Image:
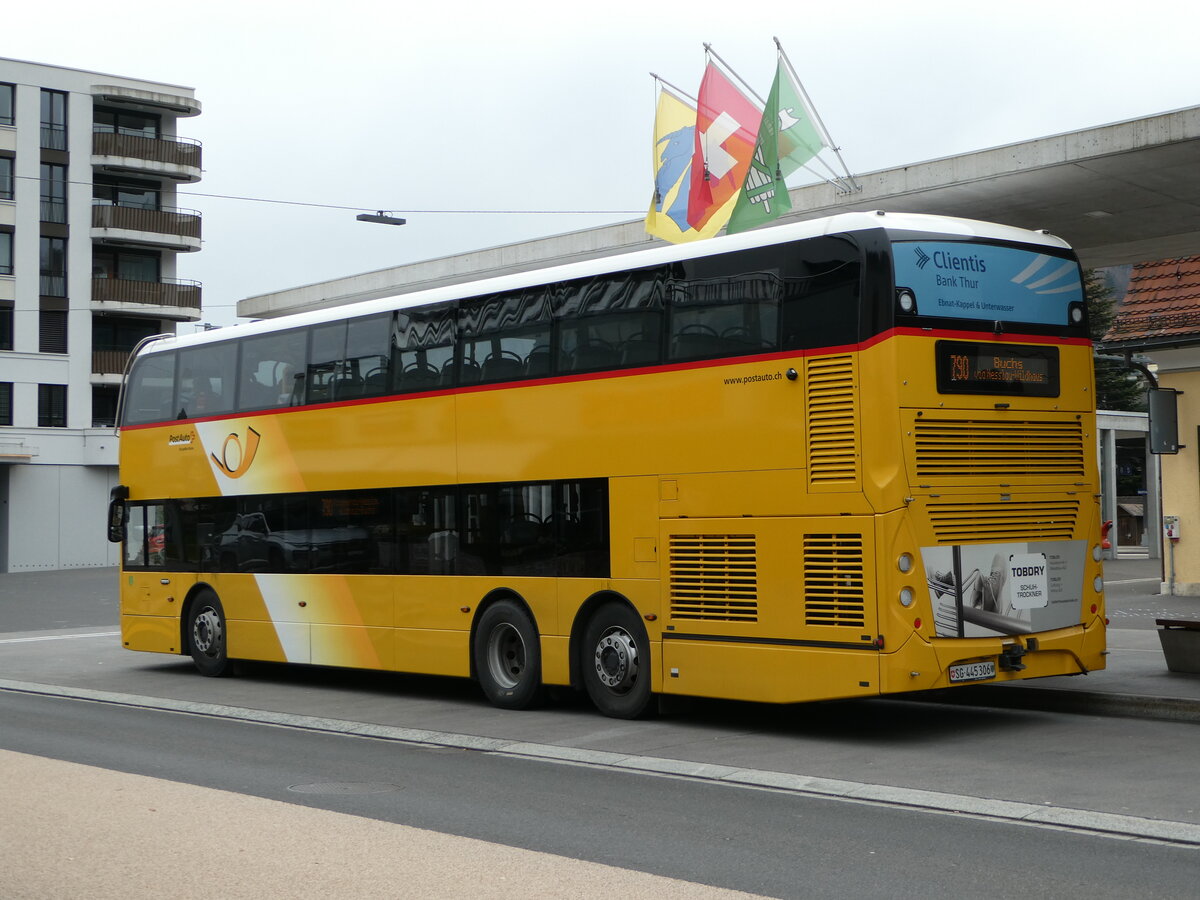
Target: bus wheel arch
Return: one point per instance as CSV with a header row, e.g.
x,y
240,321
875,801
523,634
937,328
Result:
x,y
204,632
610,656
506,653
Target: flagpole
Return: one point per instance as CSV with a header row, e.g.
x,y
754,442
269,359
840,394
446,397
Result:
x,y
836,181
681,93
816,116
708,49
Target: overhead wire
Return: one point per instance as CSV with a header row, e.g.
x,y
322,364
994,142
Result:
x,y
309,203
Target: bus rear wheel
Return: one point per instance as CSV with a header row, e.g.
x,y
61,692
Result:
x,y
508,656
206,635
615,662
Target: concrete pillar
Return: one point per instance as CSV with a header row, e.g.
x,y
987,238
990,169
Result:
x,y
1108,485
1153,520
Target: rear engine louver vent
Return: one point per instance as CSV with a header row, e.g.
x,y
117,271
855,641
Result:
x,y
1004,450
1017,520
834,592
714,577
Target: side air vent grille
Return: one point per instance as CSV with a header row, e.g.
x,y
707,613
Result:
x,y
834,591
714,577
832,427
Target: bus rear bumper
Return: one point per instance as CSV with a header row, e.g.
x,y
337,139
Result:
x,y
925,664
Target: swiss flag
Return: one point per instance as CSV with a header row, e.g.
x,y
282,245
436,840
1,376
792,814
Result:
x,y
726,131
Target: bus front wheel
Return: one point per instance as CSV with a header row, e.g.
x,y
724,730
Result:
x,y
206,635
508,656
616,662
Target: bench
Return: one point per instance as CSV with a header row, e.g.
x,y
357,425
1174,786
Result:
x,y
1180,639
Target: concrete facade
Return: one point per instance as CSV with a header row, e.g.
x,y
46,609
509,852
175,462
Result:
x,y
89,212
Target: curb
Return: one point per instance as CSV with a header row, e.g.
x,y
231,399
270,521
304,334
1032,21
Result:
x,y
1091,703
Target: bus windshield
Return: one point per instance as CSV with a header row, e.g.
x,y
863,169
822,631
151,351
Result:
x,y
961,280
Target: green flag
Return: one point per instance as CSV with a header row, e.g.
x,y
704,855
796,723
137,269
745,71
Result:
x,y
787,139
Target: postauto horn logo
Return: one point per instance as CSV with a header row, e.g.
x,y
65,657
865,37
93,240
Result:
x,y
235,459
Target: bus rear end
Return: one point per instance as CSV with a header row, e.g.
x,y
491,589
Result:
x,y
988,534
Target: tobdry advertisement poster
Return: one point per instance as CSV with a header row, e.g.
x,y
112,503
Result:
x,y
980,590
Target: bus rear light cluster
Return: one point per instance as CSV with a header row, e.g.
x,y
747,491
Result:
x,y
1098,584
905,563
907,597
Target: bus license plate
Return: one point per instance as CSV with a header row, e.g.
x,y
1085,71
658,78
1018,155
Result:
x,y
976,671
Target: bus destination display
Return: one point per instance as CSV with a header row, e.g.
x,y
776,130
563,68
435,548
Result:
x,y
968,368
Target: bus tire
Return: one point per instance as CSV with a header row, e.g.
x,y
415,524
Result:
x,y
615,662
508,656
207,637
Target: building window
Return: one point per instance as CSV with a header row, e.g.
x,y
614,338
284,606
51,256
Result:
x,y
6,267
104,405
119,121
6,177
128,265
5,402
7,92
52,406
121,333
52,331
6,328
54,120
53,266
126,192
54,193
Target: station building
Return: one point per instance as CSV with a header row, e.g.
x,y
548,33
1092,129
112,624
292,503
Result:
x,y
89,237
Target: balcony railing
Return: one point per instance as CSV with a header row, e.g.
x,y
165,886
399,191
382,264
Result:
x,y
109,362
167,220
171,150
175,292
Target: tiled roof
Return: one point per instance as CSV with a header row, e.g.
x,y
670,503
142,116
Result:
x,y
1163,303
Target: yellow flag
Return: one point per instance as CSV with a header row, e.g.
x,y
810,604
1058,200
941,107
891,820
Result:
x,y
674,143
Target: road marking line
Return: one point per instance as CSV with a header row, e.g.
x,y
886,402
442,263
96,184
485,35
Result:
x,y
1015,812
1108,583
58,637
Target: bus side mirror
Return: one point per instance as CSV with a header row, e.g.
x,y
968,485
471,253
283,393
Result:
x,y
1163,404
116,513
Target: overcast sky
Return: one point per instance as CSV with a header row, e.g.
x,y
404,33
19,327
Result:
x,y
465,116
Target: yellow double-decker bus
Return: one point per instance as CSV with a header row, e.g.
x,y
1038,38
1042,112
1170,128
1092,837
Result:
x,y
839,458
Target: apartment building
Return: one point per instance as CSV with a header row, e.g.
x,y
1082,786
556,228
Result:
x,y
90,232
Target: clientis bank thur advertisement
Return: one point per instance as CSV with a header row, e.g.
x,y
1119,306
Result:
x,y
980,281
